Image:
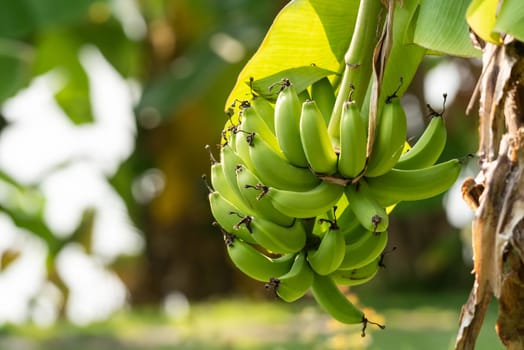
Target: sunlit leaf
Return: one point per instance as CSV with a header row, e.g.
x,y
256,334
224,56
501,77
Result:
x,y
510,18
441,27
305,32
481,17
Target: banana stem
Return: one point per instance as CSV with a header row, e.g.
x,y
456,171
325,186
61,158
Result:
x,y
358,62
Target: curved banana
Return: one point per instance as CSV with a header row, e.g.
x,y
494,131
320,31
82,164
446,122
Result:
x,y
324,95
367,210
287,124
265,110
412,185
252,191
428,148
274,170
353,141
363,251
329,254
294,284
243,141
273,237
334,302
389,138
254,263
252,123
358,276
306,204
220,184
230,161
227,215
349,225
315,140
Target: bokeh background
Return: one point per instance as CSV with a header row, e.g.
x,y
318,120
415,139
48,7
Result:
x,y
105,230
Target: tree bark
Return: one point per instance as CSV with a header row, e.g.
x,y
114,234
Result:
x,y
497,197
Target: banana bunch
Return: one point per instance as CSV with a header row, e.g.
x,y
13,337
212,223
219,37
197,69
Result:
x,y
301,214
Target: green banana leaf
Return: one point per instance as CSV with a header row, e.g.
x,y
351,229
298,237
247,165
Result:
x,y
441,27
510,18
301,77
304,33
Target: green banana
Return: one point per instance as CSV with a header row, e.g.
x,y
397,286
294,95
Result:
x,y
389,138
357,276
228,216
265,110
274,170
412,185
220,184
273,237
334,302
242,141
349,225
315,140
230,161
428,148
287,124
353,139
329,254
252,191
324,95
367,210
363,251
294,284
306,204
253,262
252,123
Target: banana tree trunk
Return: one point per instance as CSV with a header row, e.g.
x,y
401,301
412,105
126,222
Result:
x,y
497,197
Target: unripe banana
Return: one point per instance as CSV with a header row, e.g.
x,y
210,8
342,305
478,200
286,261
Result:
x,y
287,121
220,184
353,140
367,211
306,204
242,141
389,138
274,170
412,185
324,95
294,284
349,225
252,123
358,276
228,216
254,263
334,302
230,161
265,110
252,191
363,251
428,148
273,237
329,254
315,140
